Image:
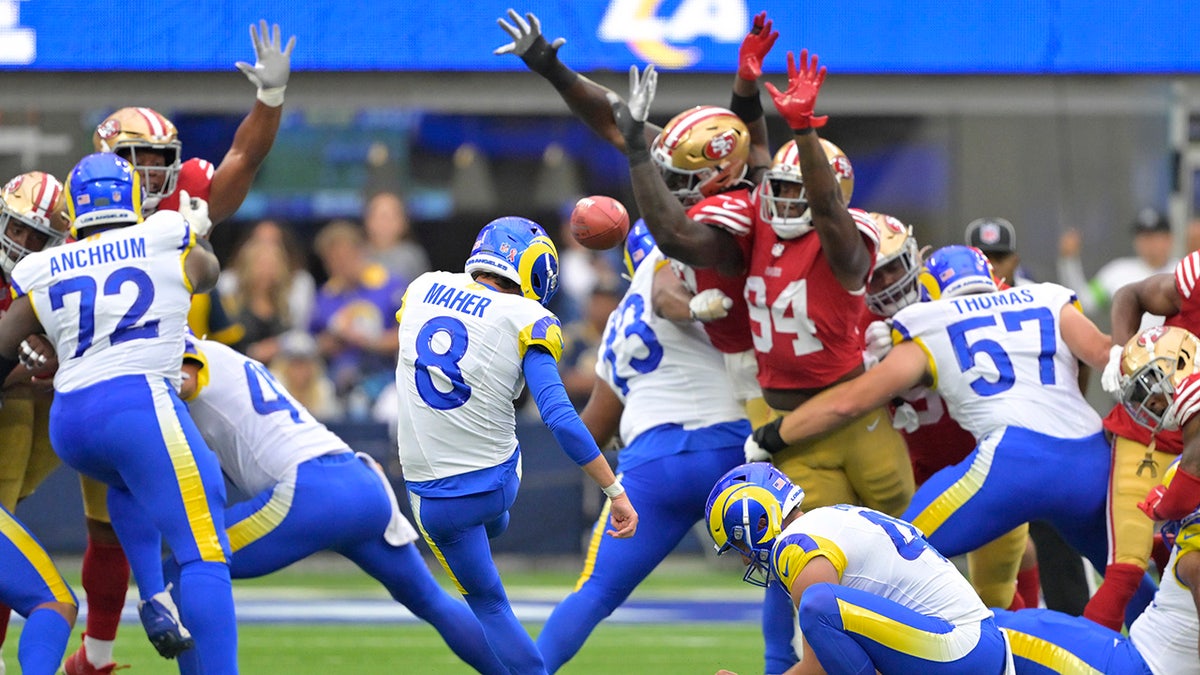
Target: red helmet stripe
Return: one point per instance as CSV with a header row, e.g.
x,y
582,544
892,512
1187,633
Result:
x,y
157,122
690,120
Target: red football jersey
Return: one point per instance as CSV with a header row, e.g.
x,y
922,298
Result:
x,y
734,212
1187,278
805,326
195,178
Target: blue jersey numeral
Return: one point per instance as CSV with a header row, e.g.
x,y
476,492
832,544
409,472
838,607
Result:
x,y
127,328
967,351
256,376
629,323
907,539
446,362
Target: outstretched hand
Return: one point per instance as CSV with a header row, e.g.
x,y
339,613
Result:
x,y
641,91
528,41
272,61
796,105
755,46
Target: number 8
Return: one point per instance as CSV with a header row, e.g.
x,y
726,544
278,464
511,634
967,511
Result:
x,y
446,362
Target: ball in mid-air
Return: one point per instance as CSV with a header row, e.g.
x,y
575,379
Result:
x,y
599,222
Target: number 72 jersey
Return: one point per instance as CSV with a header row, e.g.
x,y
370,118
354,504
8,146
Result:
x,y
999,360
115,303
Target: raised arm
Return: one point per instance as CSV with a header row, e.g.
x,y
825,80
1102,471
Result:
x,y
587,100
256,134
1155,294
745,101
841,242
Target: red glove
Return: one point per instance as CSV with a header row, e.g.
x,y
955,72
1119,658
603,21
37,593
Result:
x,y
754,48
1175,502
797,103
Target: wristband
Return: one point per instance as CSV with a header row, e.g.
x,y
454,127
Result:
x,y
614,490
272,97
747,108
803,132
768,437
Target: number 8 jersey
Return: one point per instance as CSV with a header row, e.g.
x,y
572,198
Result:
x,y
998,359
460,367
115,303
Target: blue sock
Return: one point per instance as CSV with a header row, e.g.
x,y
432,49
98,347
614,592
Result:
x,y
43,642
206,607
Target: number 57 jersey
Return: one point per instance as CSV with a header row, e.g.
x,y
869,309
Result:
x,y
461,351
115,303
998,359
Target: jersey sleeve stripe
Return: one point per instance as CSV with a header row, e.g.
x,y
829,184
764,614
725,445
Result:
x,y
733,225
1187,400
1185,274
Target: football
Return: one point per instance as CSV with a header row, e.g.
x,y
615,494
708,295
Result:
x,y
599,222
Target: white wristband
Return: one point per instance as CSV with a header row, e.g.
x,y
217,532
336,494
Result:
x,y
614,490
272,97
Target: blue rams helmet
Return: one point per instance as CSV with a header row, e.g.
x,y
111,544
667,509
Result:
x,y
103,189
956,270
519,250
745,512
638,244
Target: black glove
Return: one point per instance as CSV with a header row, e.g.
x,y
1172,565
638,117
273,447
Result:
x,y
768,438
632,130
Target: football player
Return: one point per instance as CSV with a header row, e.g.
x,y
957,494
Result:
x,y
664,387
1163,640
1006,364
469,343
31,584
114,305
150,142
934,439
1140,449
709,160
299,473
872,594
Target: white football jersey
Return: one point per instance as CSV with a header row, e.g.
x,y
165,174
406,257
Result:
x,y
259,432
878,554
999,360
1166,633
664,372
461,348
115,303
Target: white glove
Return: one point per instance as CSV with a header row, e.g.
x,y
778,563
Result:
x,y
641,91
878,340
753,452
905,418
524,34
272,67
30,357
710,305
195,212
1110,379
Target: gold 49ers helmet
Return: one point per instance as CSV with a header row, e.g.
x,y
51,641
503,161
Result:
x,y
1153,365
782,199
702,152
143,136
894,280
32,217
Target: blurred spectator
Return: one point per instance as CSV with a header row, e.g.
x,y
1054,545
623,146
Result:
x,y
301,289
1152,243
385,218
582,340
299,368
354,317
260,301
997,238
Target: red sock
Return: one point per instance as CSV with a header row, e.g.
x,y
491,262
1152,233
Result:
x,y
1017,602
1029,582
1107,606
5,613
105,580
1160,553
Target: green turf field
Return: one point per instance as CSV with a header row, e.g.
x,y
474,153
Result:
x,y
301,649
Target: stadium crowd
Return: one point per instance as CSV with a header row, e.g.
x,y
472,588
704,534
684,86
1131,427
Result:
x,y
840,406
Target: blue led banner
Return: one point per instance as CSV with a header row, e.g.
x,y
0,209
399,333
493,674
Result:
x,y
851,36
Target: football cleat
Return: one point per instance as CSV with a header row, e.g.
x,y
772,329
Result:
x,y
519,250
782,199
163,626
702,152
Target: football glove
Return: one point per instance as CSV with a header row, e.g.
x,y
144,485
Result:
x,y
272,65
754,48
1110,379
710,305
796,105
195,211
